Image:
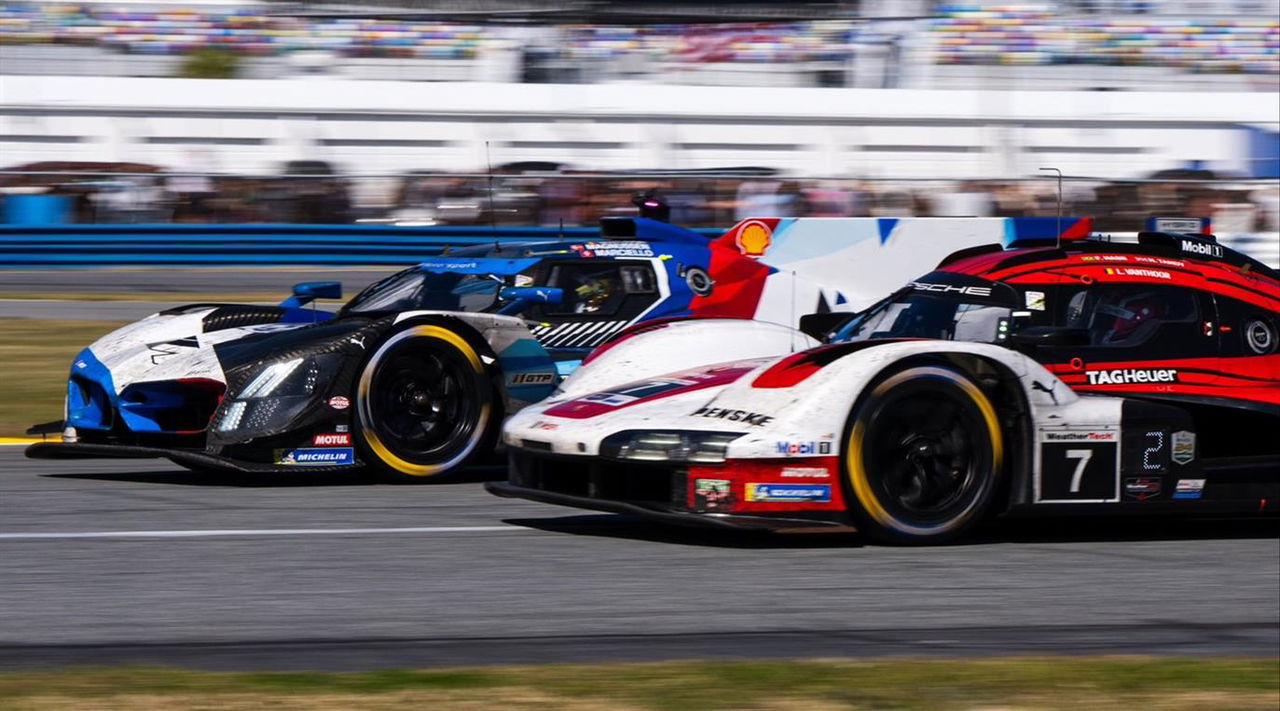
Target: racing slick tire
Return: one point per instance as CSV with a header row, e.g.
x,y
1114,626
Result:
x,y
425,405
922,457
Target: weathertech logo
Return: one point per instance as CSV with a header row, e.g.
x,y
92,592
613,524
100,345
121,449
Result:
x,y
1097,436
1127,376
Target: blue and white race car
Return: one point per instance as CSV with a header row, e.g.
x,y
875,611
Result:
x,y
411,378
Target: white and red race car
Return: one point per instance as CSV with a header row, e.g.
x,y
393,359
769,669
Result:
x,y
1075,376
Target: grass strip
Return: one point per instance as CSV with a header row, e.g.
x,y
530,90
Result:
x,y
1121,683
35,358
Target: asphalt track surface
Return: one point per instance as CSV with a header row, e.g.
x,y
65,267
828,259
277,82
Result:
x,y
139,562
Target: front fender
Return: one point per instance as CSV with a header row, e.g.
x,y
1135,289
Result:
x,y
815,408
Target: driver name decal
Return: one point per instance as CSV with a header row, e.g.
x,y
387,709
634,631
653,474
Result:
x,y
1127,376
614,249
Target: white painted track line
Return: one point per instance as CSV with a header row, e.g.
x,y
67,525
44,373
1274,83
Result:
x,y
218,533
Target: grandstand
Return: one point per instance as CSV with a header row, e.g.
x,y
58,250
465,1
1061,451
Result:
x,y
1151,45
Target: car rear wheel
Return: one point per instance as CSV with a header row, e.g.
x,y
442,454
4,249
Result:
x,y
923,456
424,405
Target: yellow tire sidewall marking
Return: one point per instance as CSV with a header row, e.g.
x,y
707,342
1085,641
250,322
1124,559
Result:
x,y
858,476
366,379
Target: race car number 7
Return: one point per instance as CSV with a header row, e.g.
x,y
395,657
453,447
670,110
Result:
x,y
1083,455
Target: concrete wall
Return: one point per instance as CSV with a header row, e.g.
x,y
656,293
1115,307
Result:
x,y
253,126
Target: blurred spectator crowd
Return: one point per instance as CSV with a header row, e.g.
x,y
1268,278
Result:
x,y
957,33
1033,33
310,192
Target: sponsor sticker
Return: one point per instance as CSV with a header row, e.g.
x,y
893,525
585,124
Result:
x,y
952,289
754,238
1184,447
788,448
544,425
1078,436
788,492
336,439
1188,489
1141,488
1203,249
1035,300
806,473
531,378
712,494
1127,376
340,428
743,416
339,402
313,457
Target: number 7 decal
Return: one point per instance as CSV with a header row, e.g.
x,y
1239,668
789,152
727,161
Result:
x,y
1078,466
1084,455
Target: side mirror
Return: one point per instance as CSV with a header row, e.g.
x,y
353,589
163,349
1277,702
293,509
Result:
x,y
518,297
819,326
532,294
1054,336
308,291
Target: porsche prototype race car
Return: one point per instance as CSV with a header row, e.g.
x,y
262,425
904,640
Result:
x,y
1048,376
413,376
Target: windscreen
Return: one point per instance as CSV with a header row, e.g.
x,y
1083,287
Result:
x,y
414,289
944,307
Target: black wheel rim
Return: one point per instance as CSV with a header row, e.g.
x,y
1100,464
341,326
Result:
x,y
424,401
927,452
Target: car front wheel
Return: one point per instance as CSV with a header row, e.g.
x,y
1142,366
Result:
x,y
923,456
424,404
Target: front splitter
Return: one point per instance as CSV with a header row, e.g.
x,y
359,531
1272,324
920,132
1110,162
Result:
x,y
680,518
185,457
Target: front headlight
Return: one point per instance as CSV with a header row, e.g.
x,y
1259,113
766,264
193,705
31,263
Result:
x,y
289,378
265,383
276,393
668,446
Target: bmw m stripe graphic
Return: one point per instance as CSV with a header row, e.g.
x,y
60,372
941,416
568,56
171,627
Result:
x,y
579,334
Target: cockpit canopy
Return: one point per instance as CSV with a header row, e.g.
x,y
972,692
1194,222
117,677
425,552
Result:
x,y
940,305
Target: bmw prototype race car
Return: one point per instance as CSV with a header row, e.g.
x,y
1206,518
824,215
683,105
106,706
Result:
x,y
414,375
1060,376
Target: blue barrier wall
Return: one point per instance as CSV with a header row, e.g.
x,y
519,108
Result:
x,y
264,245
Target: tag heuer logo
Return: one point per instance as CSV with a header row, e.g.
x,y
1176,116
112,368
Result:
x,y
1184,447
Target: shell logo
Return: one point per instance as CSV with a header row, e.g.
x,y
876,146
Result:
x,y
754,238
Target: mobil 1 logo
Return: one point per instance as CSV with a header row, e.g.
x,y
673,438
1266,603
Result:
x,y
1078,466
